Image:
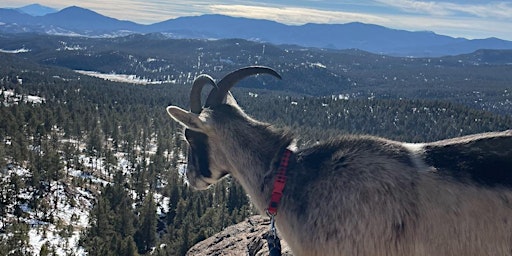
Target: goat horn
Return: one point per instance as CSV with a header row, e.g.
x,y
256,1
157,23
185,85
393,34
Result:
x,y
195,92
218,94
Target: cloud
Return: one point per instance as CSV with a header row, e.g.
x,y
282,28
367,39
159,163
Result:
x,y
466,27
293,15
494,9
432,8
453,25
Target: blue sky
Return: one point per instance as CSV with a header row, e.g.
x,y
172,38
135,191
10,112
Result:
x,y
459,18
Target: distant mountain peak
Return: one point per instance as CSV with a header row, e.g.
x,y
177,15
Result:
x,y
77,9
36,10
79,20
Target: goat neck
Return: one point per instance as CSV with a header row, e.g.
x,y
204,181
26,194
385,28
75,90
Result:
x,y
252,149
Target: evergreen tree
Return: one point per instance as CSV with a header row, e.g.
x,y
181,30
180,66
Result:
x,y
3,156
45,249
145,236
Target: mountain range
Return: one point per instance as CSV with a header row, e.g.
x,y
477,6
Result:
x,y
78,21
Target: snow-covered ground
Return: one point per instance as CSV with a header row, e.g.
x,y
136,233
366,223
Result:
x,y
11,97
21,50
133,79
70,208
66,216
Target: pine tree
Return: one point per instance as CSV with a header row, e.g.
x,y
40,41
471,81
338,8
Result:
x,y
129,248
95,143
45,249
145,237
185,240
3,156
174,198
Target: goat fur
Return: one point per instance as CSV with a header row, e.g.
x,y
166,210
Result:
x,y
364,195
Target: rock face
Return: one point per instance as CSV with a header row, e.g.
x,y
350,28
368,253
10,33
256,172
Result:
x,y
245,238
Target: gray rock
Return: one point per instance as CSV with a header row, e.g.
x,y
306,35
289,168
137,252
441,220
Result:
x,y
246,239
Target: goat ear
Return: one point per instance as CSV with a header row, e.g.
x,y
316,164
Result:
x,y
187,119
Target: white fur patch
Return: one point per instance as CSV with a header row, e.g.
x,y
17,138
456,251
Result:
x,y
416,151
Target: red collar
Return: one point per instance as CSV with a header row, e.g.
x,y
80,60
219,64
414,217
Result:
x,y
279,183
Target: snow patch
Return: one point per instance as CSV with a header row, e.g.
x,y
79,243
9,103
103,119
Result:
x,y
21,50
318,64
122,78
12,98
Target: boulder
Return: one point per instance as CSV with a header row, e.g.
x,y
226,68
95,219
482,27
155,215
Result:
x,y
247,238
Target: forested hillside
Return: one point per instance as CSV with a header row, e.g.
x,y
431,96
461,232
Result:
x,y
480,79
89,165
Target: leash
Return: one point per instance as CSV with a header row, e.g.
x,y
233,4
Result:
x,y
273,241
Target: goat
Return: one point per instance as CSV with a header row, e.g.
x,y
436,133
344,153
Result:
x,y
356,195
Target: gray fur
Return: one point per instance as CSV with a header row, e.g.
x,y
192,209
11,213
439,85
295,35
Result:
x,y
363,195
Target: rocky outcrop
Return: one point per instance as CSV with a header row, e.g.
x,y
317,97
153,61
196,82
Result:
x,y
245,238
